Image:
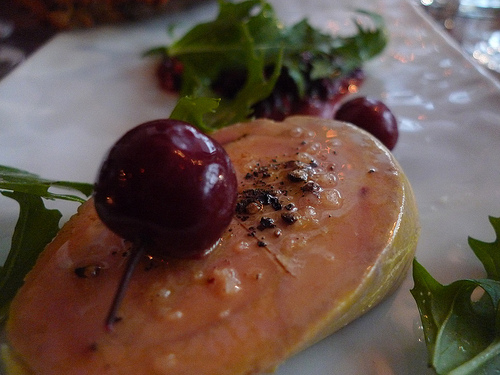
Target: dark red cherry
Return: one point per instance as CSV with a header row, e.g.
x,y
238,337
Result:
x,y
373,116
168,185
169,189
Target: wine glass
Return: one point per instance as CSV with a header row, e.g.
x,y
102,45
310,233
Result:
x,y
479,31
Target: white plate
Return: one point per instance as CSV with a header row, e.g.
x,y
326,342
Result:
x,y
63,107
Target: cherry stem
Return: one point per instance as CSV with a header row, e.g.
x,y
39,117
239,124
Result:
x,y
136,254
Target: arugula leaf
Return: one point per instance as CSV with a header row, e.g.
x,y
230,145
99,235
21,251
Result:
x,y
489,253
13,179
462,331
35,227
226,43
248,37
193,110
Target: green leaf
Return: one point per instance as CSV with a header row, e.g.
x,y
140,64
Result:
x,y
212,47
489,253
13,179
364,45
36,225
194,110
35,228
256,88
248,38
461,321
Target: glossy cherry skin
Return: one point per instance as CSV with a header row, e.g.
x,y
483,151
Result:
x,y
169,186
373,116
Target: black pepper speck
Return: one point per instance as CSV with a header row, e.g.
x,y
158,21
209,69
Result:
x,y
266,223
288,217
